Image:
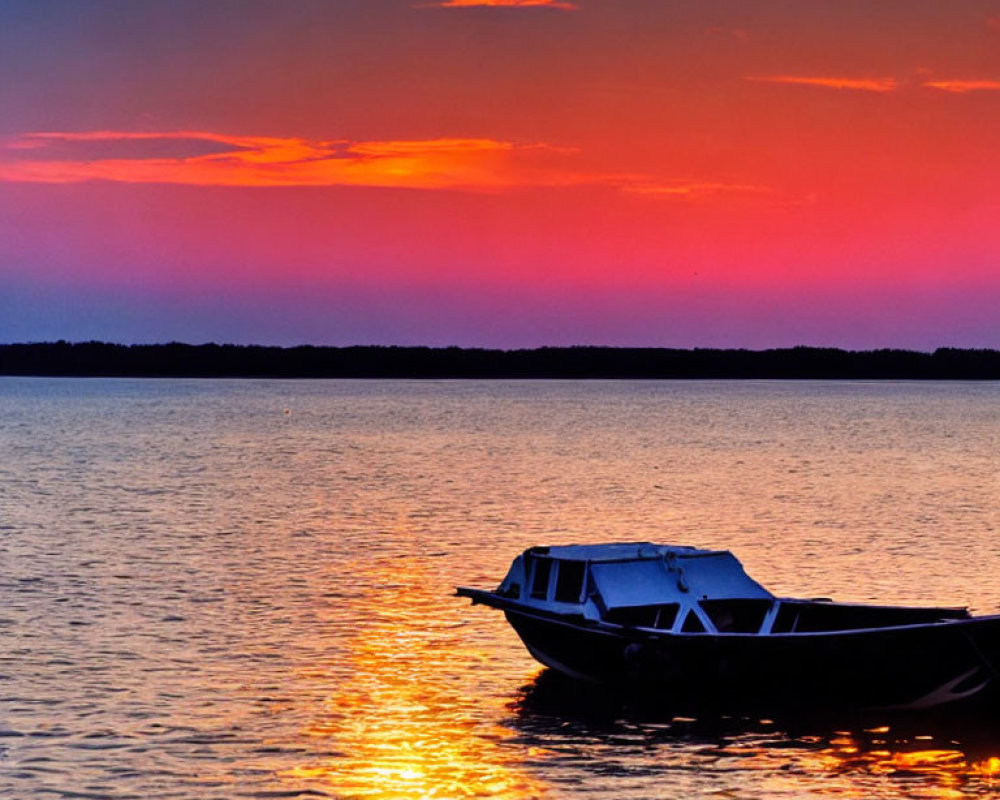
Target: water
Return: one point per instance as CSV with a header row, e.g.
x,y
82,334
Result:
x,y
244,589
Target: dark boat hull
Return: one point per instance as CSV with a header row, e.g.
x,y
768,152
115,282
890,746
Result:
x,y
904,667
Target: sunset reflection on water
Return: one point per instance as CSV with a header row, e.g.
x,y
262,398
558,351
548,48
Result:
x,y
942,768
409,722
840,766
209,598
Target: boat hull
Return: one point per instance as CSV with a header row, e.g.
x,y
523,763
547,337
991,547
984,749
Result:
x,y
905,667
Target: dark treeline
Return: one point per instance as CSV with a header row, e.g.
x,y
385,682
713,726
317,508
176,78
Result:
x,y
100,359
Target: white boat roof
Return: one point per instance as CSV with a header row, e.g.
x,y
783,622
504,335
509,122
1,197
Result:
x,y
621,551
642,573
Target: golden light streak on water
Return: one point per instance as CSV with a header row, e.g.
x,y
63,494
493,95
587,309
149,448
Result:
x,y
945,771
916,765
988,767
408,724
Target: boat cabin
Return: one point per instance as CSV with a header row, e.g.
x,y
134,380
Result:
x,y
681,590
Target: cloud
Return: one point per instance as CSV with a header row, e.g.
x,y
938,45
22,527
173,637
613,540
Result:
x,y
208,159
446,163
960,87
691,189
879,84
854,84
559,4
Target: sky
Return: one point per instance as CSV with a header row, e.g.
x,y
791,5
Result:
x,y
501,173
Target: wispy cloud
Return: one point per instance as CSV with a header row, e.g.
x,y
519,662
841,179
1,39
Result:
x,y
881,85
210,159
559,4
449,163
691,189
854,84
961,87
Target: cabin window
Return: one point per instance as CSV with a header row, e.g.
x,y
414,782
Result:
x,y
692,623
569,581
540,580
787,619
665,618
736,616
659,616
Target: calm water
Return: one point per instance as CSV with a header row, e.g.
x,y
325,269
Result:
x,y
244,589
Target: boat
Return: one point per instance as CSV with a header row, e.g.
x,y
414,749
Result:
x,y
690,623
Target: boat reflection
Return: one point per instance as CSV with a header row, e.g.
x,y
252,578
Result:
x,y
409,720
651,741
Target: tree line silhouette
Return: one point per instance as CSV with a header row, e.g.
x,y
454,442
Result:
x,y
102,359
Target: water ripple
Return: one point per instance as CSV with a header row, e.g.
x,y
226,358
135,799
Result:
x,y
205,597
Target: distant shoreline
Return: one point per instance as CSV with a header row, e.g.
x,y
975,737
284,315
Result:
x,y
174,360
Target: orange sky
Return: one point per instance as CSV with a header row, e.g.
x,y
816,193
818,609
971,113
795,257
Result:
x,y
508,173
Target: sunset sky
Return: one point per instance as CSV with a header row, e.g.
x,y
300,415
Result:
x,y
503,173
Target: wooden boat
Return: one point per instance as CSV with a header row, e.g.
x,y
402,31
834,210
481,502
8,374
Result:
x,y
691,623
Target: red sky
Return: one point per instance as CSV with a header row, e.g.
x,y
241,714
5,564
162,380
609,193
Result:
x,y
516,173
